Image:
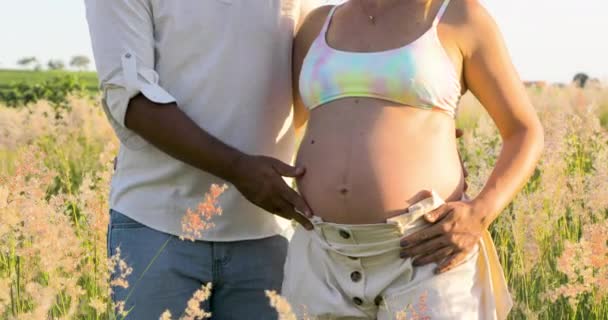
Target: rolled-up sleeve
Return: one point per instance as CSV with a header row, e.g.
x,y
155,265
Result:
x,y
122,36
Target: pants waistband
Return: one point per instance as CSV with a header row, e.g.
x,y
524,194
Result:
x,y
361,240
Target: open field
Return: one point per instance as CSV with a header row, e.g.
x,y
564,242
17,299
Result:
x,y
55,171
7,77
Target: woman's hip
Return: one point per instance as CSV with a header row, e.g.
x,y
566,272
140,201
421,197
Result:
x,y
370,282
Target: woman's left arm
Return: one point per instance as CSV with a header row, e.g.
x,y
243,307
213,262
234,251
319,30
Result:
x,y
489,74
491,77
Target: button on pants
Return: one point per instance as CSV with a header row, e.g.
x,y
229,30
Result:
x,y
343,271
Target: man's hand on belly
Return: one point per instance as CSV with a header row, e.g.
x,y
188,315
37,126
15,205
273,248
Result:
x,y
260,180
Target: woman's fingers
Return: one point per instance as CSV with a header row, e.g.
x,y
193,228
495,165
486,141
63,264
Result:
x,y
438,213
450,263
436,257
459,132
425,248
427,233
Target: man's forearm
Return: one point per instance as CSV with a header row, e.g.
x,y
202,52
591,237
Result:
x,y
172,131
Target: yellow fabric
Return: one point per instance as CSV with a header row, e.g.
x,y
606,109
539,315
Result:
x,y
488,259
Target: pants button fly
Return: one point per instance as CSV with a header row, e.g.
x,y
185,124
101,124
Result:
x,y
378,300
357,301
344,234
356,276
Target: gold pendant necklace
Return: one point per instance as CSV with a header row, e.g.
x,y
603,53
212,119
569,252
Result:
x,y
373,18
370,17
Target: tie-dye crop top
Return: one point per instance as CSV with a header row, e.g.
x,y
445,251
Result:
x,y
419,74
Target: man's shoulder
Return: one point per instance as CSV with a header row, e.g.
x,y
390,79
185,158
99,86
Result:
x,y
307,6
313,3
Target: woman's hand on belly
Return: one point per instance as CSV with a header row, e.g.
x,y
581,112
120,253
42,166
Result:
x,y
455,228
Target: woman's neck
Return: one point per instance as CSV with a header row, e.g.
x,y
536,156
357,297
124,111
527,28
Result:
x,y
381,4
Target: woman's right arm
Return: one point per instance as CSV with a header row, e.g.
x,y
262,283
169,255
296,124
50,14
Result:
x,y
308,31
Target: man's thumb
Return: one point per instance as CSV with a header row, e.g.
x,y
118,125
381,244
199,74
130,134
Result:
x,y
286,170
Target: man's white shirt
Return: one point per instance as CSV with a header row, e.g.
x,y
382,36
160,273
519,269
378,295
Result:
x,y
227,65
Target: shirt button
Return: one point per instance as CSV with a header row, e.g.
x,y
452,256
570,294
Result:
x,y
344,234
356,276
357,301
378,300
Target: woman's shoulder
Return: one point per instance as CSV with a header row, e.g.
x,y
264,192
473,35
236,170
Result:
x,y
466,13
313,22
465,8
310,29
470,22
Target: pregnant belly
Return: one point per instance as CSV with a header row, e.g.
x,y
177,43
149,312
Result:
x,y
365,163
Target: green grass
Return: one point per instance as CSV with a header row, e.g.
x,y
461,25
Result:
x,y
35,77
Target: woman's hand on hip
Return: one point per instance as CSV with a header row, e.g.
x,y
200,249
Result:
x,y
455,229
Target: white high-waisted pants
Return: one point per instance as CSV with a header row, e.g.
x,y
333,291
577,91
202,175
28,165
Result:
x,y
343,271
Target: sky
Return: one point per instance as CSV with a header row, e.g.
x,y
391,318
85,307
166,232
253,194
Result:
x,y
548,39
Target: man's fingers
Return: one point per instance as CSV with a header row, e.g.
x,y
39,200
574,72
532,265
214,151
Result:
x,y
286,170
425,248
287,211
303,221
437,257
296,200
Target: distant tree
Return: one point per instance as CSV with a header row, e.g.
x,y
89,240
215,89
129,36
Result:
x,y
580,79
27,61
80,62
56,64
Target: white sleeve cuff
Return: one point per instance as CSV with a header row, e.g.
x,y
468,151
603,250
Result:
x,y
120,88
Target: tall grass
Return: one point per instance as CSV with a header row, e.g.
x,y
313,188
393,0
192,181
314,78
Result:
x,y
550,238
55,171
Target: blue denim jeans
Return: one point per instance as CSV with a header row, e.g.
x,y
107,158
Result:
x,y
240,271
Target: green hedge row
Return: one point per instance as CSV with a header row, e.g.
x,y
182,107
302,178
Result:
x,y
56,90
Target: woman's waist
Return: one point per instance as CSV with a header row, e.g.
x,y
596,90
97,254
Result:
x,y
379,162
380,142
360,240
359,193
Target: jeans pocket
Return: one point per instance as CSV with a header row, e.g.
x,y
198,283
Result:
x,y
118,222
121,221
